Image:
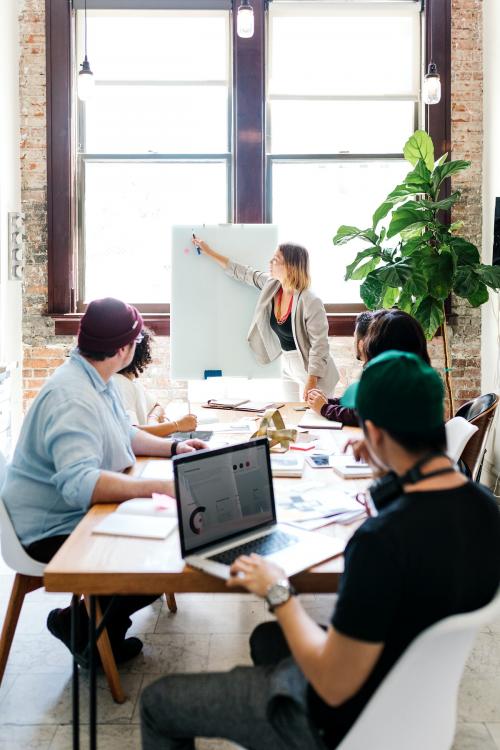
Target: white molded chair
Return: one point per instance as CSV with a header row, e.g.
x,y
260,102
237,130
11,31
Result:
x,y
458,433
416,705
29,577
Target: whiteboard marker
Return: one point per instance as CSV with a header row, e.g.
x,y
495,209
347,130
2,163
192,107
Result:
x,y
197,248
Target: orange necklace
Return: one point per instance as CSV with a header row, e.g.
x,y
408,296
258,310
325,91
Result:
x,y
280,319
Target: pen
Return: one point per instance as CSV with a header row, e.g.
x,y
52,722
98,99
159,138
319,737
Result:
x,y
197,248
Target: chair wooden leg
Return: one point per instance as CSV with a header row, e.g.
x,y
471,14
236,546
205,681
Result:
x,y
22,585
107,658
171,603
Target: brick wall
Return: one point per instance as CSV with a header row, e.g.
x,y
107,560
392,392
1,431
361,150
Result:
x,y
43,351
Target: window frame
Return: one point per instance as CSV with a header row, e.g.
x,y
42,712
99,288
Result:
x,y
249,178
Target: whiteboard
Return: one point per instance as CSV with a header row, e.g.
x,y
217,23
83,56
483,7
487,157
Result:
x,y
211,313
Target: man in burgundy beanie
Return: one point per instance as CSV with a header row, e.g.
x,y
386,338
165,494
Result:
x,y
75,443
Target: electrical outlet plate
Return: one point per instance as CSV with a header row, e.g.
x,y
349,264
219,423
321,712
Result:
x,y
17,235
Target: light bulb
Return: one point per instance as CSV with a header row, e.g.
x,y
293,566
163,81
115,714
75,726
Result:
x,y
431,90
244,20
86,81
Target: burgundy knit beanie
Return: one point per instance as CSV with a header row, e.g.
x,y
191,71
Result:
x,y
107,325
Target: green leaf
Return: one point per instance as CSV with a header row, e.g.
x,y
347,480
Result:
x,y
398,195
456,225
390,297
420,146
369,252
447,170
441,160
405,302
416,285
419,179
464,282
346,234
415,244
414,231
365,269
479,296
371,291
404,217
395,275
443,205
465,252
430,315
438,270
467,283
489,275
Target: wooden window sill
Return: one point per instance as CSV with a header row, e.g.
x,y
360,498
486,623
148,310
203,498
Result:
x,y
339,324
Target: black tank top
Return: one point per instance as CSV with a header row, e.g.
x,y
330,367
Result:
x,y
283,331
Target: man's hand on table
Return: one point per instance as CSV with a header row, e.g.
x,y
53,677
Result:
x,y
189,446
255,574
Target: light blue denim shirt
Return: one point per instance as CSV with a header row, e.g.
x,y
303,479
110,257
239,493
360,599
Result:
x,y
75,428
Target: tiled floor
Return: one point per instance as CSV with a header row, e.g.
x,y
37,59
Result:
x,y
208,632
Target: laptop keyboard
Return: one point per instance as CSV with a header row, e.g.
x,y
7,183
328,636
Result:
x,y
265,545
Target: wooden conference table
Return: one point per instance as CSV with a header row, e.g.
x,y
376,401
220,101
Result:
x,y
89,564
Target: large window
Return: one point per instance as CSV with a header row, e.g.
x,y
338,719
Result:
x,y
153,146
343,97
302,125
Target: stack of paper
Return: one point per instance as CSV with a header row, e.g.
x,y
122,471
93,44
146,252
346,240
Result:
x,y
348,468
312,505
287,464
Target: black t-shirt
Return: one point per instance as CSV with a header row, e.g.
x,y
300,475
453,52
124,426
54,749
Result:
x,y
284,332
426,556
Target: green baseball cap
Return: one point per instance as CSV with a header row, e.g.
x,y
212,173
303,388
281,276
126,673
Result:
x,y
398,391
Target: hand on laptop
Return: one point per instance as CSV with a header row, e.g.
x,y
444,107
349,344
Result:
x,y
255,574
188,446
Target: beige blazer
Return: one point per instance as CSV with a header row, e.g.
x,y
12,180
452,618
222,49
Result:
x,y
309,322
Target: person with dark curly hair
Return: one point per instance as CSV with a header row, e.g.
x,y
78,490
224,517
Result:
x,y
141,408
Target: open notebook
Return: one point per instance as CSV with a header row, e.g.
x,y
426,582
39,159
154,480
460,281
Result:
x,y
141,517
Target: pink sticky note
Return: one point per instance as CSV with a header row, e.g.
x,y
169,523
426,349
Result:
x,y
163,502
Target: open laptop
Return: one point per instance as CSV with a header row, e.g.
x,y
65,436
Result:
x,y
226,507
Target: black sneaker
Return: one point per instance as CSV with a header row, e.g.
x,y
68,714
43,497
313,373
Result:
x,y
59,624
127,649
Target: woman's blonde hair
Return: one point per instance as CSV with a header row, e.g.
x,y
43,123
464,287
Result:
x,y
296,259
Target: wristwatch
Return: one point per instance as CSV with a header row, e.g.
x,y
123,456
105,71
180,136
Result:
x,y
173,448
279,593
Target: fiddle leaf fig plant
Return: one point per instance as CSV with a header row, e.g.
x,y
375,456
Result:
x,y
414,259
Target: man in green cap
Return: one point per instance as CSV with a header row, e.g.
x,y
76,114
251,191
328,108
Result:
x,y
433,550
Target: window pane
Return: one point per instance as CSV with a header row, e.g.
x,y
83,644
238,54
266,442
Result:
x,y
129,211
343,51
162,119
329,127
162,45
310,202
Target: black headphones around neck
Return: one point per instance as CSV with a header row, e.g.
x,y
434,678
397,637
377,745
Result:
x,y
389,487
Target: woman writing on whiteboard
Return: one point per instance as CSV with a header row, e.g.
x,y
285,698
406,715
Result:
x,y
289,319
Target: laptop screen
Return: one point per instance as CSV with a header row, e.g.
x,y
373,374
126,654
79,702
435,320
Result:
x,y
223,493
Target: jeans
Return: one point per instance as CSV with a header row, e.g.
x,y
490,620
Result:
x,y
261,708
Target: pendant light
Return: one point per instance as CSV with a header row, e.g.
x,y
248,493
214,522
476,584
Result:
x,y
431,89
245,20
86,81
